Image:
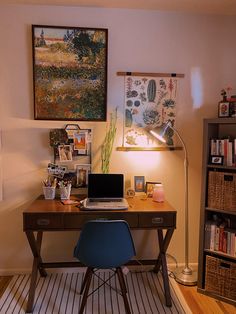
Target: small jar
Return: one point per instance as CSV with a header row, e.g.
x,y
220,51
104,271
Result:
x,y
158,193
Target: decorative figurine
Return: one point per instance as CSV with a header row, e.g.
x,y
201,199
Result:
x,y
224,95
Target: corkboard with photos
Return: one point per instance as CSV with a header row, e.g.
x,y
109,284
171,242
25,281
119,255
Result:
x,y
72,154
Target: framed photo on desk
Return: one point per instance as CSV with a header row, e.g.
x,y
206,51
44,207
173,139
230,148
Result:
x,y
139,183
149,188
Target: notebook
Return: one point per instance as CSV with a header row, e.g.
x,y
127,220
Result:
x,y
105,192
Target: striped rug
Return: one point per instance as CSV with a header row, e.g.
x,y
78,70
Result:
x,y
59,293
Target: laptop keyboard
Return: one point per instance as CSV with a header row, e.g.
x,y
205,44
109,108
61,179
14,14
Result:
x,y
105,200
105,204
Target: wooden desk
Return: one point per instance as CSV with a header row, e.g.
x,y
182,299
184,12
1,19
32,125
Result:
x,y
51,215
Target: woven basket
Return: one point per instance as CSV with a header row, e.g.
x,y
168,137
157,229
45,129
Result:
x,y
220,277
222,190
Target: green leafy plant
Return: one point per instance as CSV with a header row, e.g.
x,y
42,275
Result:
x,y
108,143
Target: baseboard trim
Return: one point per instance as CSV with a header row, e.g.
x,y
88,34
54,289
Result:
x,y
135,263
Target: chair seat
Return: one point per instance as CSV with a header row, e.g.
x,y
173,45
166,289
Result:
x,y
104,244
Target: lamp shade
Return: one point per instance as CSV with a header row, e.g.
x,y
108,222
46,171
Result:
x,y
160,132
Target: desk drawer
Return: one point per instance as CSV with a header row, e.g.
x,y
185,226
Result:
x,y
154,220
43,221
74,221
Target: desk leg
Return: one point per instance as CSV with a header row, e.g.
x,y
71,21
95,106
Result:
x,y
35,245
161,261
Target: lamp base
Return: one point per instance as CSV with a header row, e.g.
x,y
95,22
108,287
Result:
x,y
186,276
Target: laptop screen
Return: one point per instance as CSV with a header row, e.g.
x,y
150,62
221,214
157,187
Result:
x,y
105,185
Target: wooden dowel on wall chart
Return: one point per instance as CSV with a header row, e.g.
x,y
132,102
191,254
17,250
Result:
x,y
149,74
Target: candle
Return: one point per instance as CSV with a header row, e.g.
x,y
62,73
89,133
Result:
x,y
158,193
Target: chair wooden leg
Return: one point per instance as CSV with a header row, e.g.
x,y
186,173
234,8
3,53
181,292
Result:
x,y
84,281
89,274
123,289
121,277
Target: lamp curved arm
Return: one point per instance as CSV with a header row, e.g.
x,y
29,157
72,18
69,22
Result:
x,y
187,269
182,142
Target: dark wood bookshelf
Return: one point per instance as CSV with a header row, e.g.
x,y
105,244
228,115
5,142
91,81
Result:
x,y
218,128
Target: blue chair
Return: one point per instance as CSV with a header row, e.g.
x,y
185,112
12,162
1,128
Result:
x,y
104,244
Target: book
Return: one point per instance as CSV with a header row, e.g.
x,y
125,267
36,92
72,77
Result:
x,y
221,236
207,235
217,238
212,236
230,154
224,242
228,242
226,144
221,147
232,244
213,147
217,147
234,146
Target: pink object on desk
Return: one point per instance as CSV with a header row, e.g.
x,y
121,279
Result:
x,y
158,193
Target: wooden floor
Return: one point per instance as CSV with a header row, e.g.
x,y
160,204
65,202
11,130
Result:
x,y
198,303
202,304
3,283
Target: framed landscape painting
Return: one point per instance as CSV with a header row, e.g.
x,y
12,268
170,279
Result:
x,y
70,73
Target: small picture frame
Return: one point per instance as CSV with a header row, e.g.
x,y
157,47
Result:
x,y
232,109
216,160
65,153
149,188
224,111
139,185
80,141
82,172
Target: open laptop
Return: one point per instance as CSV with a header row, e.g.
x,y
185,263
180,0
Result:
x,y
105,192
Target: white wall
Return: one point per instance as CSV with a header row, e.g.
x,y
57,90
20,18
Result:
x,y
139,40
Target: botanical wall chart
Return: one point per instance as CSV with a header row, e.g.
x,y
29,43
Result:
x,y
70,73
149,102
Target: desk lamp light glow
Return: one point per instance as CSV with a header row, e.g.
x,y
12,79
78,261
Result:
x,y
185,276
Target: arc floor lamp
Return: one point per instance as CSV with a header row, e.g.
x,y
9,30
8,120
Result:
x,y
185,275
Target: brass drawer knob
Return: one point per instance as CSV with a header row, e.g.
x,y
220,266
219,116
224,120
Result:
x,y
43,222
157,220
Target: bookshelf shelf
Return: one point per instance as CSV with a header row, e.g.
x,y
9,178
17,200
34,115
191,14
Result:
x,y
222,167
217,253
221,211
218,210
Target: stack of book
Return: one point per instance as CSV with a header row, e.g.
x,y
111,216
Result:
x,y
226,148
220,237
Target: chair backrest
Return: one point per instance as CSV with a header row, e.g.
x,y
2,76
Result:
x,y
105,244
